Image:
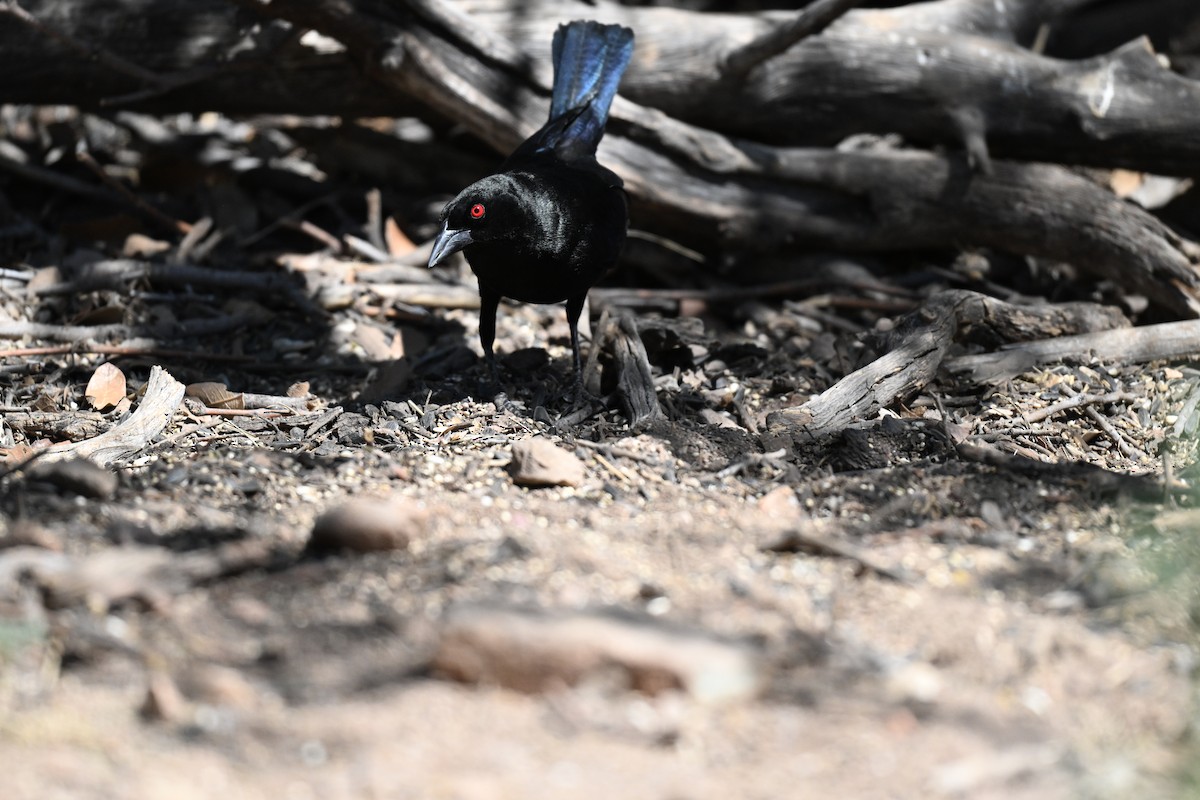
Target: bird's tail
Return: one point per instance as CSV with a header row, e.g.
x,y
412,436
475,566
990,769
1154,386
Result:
x,y
589,60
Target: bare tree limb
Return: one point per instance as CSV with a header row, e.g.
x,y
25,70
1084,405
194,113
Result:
x,y
810,20
1168,340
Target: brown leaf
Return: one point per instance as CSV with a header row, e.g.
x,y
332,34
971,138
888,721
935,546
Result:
x,y
1124,182
215,395
397,243
16,454
106,388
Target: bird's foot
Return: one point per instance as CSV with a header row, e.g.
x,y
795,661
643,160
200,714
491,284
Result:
x,y
578,395
583,404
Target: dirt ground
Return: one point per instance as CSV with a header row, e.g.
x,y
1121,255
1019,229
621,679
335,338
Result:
x,y
973,632
348,592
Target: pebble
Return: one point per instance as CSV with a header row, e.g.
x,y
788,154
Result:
x,y
368,526
540,462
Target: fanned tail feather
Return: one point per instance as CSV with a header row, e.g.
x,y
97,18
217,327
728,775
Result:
x,y
589,60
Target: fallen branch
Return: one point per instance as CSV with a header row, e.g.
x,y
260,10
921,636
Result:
x,y
1097,478
125,350
56,333
810,20
919,345
162,396
116,274
1079,401
812,543
1165,341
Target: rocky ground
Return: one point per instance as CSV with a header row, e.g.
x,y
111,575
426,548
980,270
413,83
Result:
x,y
347,569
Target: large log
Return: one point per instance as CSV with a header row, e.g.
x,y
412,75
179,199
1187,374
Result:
x,y
944,72
174,55
719,194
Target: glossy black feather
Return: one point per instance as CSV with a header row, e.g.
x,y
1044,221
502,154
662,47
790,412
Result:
x,y
552,221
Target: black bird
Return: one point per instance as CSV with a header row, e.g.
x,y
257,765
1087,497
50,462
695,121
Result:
x,y
551,222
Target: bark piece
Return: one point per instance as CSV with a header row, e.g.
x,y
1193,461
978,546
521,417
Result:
x,y
635,383
540,462
536,651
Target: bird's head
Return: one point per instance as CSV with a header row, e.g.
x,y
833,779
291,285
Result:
x,y
485,211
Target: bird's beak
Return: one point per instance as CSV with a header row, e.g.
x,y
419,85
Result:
x,y
447,243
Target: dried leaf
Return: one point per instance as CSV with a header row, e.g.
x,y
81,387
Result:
x,y
215,395
16,454
44,402
397,243
139,245
106,388
1125,182
102,315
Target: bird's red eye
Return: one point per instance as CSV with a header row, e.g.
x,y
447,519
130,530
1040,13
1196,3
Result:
x,y
477,211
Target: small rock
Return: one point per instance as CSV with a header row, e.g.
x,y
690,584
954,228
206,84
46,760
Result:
x,y
915,683
1112,578
780,504
534,651
540,462
368,526
77,475
712,417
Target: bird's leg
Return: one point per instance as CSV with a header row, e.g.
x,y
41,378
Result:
x,y
488,303
574,308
